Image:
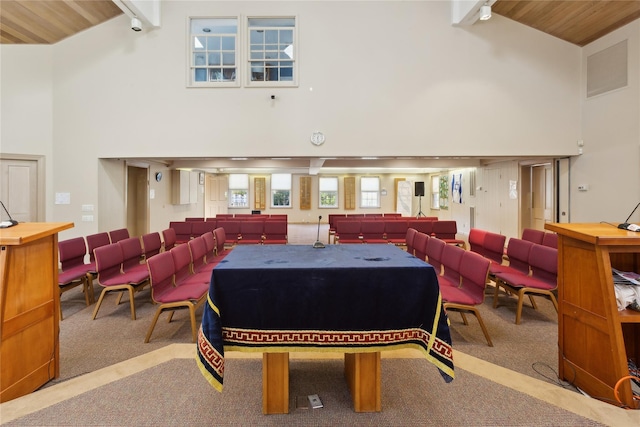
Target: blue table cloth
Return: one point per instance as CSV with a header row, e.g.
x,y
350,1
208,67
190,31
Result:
x,y
342,298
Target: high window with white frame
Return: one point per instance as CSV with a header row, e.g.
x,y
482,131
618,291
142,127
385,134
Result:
x,y
272,52
213,52
328,190
281,190
370,192
238,190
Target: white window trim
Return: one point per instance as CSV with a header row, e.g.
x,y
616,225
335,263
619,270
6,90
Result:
x,y
277,188
370,191
246,53
320,191
434,191
190,83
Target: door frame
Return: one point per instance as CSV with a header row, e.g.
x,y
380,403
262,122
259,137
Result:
x,y
41,192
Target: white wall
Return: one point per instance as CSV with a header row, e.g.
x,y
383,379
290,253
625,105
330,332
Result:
x,y
388,78
610,165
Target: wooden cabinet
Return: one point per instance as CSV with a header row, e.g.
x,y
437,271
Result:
x,y
595,340
29,307
184,187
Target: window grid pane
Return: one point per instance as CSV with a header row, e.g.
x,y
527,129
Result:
x,y
213,44
271,49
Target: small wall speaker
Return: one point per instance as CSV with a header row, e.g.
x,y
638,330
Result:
x,y
419,191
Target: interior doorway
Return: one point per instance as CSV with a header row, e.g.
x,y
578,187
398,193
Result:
x,y
216,190
137,199
23,189
537,203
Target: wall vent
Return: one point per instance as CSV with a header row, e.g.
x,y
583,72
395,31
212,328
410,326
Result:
x,y
607,70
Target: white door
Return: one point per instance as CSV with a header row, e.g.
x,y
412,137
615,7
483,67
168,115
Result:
x,y
19,189
216,190
542,196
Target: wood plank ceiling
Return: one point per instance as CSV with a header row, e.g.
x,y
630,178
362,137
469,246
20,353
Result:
x,y
576,21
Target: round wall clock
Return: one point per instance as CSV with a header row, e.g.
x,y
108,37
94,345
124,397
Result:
x,y
159,176
317,138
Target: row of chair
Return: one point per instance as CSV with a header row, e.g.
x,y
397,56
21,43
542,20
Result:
x,y
239,216
462,274
246,231
334,218
393,230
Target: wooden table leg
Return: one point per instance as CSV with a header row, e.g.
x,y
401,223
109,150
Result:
x,y
362,371
275,383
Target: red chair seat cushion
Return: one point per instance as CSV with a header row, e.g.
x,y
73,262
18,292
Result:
x,y
456,295
182,293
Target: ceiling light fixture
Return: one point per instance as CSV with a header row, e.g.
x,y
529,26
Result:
x,y
485,12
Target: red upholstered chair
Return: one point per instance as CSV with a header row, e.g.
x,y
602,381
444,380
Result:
x,y
446,230
410,238
184,272
476,241
275,232
231,230
221,242
518,261
550,239
73,270
109,260
198,250
465,298
119,234
332,225
543,280
348,231
532,235
451,259
251,232
183,231
132,257
494,247
434,253
210,246
195,219
168,239
372,231
392,215
420,242
172,297
396,231
151,244
95,241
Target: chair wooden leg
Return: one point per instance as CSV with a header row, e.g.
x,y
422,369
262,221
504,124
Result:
x,y
521,293
464,318
131,302
533,302
495,294
95,310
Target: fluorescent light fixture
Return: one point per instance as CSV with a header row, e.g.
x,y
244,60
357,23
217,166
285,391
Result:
x,y
485,12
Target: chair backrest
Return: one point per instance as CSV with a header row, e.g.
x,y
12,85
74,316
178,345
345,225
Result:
x,y
494,246
132,252
182,229
210,245
72,252
532,235
221,238
410,238
108,261
151,244
420,242
95,241
198,228
451,258
194,219
551,240
231,228
395,228
198,251
161,270
372,229
434,253
169,238
182,260
422,226
474,269
544,264
348,229
445,229
276,230
119,234
476,240
518,253
252,230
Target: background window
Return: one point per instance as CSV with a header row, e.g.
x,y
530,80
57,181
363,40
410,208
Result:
x,y
272,51
435,192
213,51
369,192
281,190
238,190
328,189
